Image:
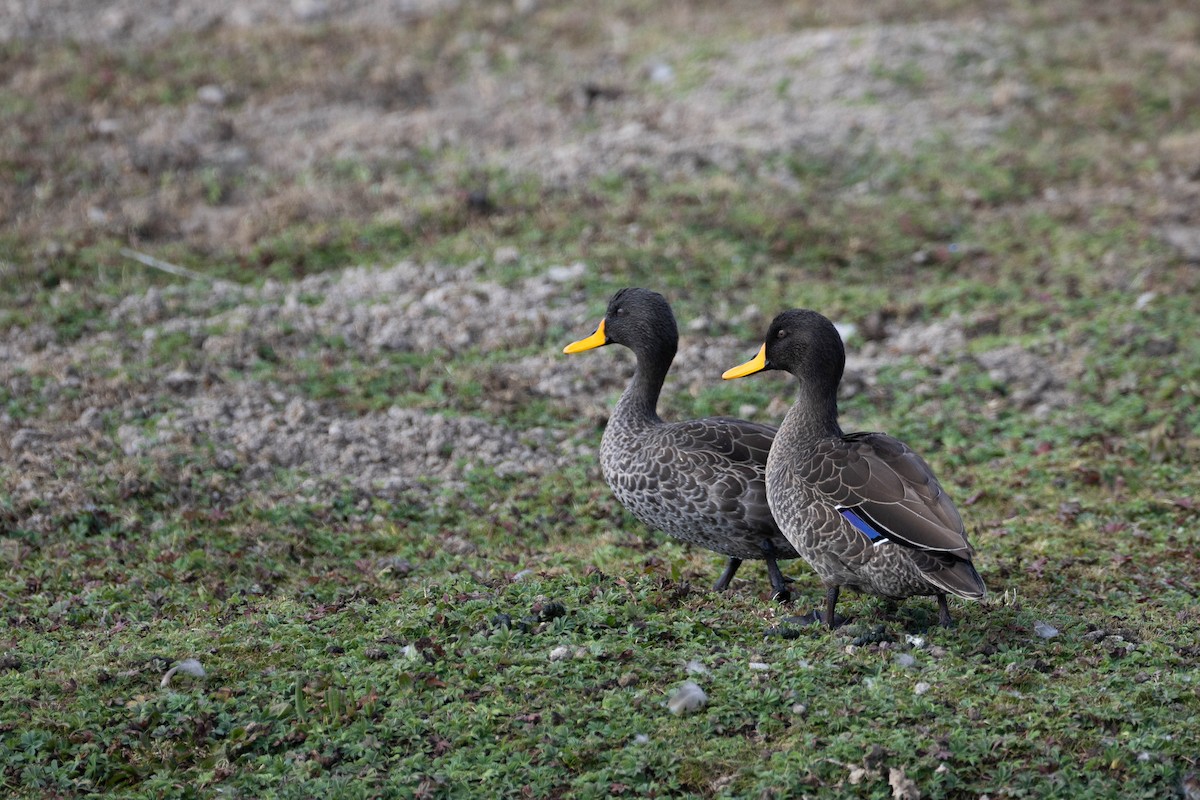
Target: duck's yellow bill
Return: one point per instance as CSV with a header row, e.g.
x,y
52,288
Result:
x,y
597,339
756,364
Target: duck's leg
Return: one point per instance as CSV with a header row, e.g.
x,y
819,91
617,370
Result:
x,y
944,611
730,569
831,598
779,581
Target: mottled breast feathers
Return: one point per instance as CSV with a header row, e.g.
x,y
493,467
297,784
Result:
x,y
704,481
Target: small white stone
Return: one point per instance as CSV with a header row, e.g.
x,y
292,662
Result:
x,y
661,72
561,653
916,641
695,668
759,666
107,127
688,697
641,738
211,95
921,688
1144,299
905,660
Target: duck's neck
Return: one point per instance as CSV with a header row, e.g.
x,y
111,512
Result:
x,y
813,416
639,404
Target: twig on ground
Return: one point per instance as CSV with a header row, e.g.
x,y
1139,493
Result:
x,y
165,266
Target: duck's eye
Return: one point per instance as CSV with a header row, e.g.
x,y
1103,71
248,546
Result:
x,y
782,333
620,311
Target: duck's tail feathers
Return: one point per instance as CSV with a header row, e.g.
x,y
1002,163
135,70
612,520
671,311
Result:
x,y
959,579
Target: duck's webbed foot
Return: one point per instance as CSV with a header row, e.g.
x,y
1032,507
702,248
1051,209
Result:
x,y
827,617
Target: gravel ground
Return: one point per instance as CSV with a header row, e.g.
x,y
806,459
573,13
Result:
x,y
813,92
247,429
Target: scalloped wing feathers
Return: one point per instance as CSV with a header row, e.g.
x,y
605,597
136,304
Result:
x,y
891,488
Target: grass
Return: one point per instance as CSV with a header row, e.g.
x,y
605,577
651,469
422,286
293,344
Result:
x,y
517,635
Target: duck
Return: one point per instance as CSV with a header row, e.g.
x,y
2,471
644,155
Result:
x,y
702,481
863,509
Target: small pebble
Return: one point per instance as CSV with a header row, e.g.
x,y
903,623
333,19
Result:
x,y
211,95
688,697
905,660
661,73
108,127
916,641
759,666
561,653
921,688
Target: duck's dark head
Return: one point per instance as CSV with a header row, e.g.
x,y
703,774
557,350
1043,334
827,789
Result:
x,y
639,319
803,343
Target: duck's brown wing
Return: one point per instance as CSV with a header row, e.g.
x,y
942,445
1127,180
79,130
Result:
x,y
890,489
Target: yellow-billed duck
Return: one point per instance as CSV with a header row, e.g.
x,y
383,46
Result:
x,y
862,508
702,480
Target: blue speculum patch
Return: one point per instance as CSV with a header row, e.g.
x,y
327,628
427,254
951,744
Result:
x,y
862,526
